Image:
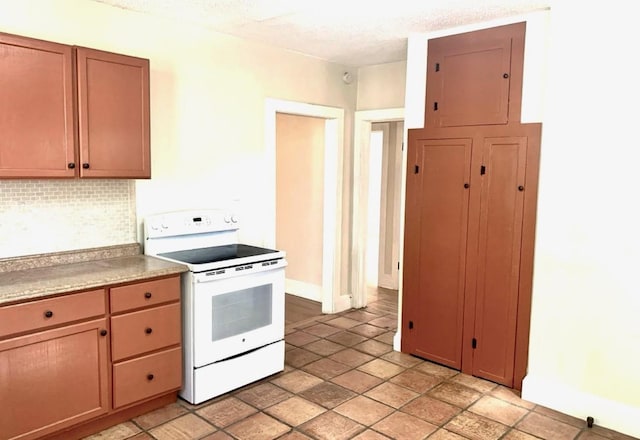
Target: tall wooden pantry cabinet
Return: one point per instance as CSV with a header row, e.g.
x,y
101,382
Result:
x,y
470,216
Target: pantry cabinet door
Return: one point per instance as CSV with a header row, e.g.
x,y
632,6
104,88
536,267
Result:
x,y
36,108
435,243
475,78
113,109
498,259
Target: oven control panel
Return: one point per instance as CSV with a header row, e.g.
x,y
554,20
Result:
x,y
178,223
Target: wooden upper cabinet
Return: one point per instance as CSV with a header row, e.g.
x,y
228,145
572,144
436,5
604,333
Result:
x,y
475,78
113,110
36,108
59,122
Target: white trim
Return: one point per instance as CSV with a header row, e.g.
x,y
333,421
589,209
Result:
x,y
362,134
303,290
558,395
332,300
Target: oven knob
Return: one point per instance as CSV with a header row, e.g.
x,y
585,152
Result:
x,y
164,226
227,219
234,219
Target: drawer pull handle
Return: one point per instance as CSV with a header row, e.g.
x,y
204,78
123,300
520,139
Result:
x,y
149,376
148,330
103,332
48,314
147,295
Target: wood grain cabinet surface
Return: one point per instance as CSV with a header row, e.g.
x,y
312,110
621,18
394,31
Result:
x,y
68,111
56,378
475,78
74,364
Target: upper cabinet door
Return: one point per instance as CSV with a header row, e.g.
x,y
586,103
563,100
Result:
x,y
475,78
36,108
113,111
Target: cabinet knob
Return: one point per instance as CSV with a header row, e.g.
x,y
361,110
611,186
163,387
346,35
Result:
x,y
521,188
85,165
505,75
48,314
149,376
103,332
148,330
147,295
71,165
466,185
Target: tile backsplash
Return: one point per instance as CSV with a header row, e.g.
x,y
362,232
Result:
x,y
41,216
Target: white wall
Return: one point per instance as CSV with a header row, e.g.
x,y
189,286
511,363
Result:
x,y
584,351
207,101
382,86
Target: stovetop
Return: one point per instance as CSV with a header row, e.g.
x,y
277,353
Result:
x,y
216,254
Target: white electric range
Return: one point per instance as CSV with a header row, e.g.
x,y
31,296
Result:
x,y
232,300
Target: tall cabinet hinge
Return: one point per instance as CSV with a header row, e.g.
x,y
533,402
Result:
x,y
474,343
483,170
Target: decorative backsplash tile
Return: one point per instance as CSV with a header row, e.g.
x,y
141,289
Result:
x,y
40,216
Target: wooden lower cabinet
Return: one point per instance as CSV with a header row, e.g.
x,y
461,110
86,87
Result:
x,y
470,216
70,366
53,379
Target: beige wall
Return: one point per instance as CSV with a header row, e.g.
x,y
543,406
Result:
x,y
208,96
382,86
300,194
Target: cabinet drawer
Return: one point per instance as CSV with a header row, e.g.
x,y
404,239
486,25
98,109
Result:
x,y
147,376
145,330
144,294
50,312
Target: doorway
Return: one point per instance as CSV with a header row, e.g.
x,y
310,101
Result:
x,y
388,222
331,200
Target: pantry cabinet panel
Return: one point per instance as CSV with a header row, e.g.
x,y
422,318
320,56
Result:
x,y
435,248
475,78
113,108
36,108
53,379
500,236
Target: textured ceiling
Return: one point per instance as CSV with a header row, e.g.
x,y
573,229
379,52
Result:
x,y
350,32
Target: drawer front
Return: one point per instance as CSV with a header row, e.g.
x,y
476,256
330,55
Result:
x,y
146,377
148,293
145,330
36,315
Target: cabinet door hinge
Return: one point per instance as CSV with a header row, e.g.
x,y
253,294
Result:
x,y
474,343
402,147
410,325
437,67
416,170
435,106
483,170
398,265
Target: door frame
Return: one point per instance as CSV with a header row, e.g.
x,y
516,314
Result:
x,y
362,133
332,300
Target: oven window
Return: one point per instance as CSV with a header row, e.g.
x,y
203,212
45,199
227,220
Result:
x,y
241,311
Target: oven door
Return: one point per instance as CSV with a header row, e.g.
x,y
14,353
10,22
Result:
x,y
235,315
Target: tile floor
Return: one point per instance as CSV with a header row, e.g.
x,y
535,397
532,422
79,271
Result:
x,y
342,380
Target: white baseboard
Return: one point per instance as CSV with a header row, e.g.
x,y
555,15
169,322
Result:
x,y
561,397
304,290
397,340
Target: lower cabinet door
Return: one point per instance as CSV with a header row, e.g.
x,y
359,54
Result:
x,y
147,376
53,379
